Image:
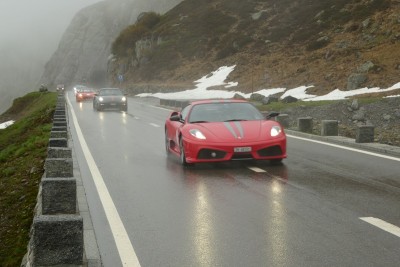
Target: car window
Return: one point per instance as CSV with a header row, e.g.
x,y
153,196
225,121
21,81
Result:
x,y
220,112
185,112
106,92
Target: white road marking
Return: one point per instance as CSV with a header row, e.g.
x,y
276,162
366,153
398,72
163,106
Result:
x,y
155,125
256,169
393,229
344,147
124,245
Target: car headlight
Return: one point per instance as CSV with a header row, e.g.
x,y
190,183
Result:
x,y
196,133
275,130
101,99
123,99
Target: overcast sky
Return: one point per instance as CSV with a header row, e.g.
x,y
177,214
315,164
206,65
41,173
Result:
x,y
30,31
36,25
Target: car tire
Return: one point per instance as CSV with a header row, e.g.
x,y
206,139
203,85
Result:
x,y
167,147
182,156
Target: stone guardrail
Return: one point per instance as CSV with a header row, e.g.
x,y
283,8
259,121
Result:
x,y
364,134
57,231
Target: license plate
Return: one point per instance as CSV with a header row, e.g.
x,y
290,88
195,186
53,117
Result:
x,y
242,149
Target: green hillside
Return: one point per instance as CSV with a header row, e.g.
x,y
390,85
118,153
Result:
x,y
23,149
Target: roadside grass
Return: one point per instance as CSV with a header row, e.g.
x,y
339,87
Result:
x,y
23,149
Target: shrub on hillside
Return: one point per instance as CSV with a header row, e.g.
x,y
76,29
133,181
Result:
x,y
133,33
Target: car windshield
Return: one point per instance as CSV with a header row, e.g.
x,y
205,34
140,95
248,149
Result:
x,y
106,92
222,112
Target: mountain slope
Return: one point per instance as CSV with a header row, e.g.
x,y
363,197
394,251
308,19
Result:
x,y
85,46
346,44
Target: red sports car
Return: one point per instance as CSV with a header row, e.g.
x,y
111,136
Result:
x,y
222,130
84,94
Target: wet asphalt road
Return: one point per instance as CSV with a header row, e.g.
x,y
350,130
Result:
x,y
305,212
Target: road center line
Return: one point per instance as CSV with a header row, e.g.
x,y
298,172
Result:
x,y
155,125
256,169
345,147
393,229
124,245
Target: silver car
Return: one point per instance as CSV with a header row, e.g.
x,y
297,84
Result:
x,y
110,98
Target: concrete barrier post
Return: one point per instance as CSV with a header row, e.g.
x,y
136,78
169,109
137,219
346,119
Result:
x,y
59,152
283,119
58,168
59,134
329,128
305,124
59,123
365,134
58,142
58,196
59,112
57,240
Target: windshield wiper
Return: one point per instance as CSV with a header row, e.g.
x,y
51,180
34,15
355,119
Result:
x,y
236,120
199,121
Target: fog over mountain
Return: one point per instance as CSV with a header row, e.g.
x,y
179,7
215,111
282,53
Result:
x,y
29,34
85,47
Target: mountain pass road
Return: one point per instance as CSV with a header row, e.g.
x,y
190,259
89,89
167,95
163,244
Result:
x,y
324,206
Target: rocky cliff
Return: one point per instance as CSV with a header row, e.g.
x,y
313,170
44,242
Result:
x,y
343,44
85,46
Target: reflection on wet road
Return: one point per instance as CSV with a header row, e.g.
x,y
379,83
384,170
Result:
x,y
304,212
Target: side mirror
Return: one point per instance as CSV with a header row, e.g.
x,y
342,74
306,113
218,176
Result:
x,y
272,115
176,117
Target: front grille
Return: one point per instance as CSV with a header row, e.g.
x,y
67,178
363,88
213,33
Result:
x,y
242,156
270,151
211,154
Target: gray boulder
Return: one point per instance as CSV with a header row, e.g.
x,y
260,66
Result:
x,y
289,99
269,99
256,97
356,80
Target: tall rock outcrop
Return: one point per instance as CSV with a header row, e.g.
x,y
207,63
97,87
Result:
x,y
85,46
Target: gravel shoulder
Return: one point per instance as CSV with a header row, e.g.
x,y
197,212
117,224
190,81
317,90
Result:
x,y
383,114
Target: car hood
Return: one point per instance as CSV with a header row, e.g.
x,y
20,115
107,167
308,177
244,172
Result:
x,y
234,131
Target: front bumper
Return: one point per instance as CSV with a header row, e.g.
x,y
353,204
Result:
x,y
113,105
84,97
196,151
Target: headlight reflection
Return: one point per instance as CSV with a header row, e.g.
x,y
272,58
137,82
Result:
x,y
276,227
124,117
203,228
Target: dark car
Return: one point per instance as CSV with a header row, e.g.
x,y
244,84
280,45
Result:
x,y
60,87
84,94
110,98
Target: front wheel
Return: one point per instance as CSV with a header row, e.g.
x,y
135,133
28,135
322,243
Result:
x,y
167,147
182,154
